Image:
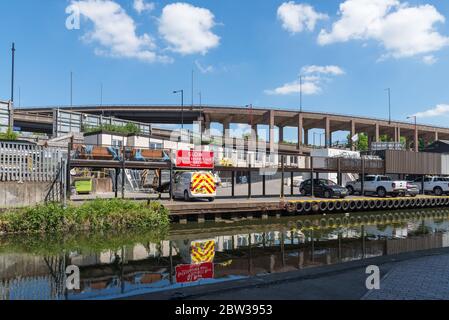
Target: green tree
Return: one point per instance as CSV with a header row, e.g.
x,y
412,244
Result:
x,y
9,135
361,144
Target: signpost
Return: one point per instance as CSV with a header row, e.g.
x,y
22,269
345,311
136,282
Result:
x,y
195,159
194,272
203,251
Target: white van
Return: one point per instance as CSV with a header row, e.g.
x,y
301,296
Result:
x,y
195,185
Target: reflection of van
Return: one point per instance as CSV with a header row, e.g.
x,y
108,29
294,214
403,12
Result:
x,y
195,185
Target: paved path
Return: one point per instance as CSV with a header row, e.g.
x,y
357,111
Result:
x,y
424,278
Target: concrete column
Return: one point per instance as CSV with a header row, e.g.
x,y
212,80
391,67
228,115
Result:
x,y
353,133
436,136
271,124
327,132
306,136
416,140
226,128
377,134
300,127
281,134
399,134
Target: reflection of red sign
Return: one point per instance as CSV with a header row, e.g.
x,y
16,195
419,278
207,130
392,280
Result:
x,y
195,159
194,272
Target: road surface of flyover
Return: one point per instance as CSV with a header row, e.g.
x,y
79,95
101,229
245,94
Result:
x,y
305,121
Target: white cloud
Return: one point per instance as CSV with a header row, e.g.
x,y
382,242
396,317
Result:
x,y
332,70
188,29
114,31
204,69
403,30
429,60
142,6
312,81
438,111
297,17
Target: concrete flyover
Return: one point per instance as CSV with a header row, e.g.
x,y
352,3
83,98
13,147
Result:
x,y
226,115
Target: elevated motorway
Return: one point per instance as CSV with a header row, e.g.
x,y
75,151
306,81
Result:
x,y
41,119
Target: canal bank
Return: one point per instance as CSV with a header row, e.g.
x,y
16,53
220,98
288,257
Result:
x,y
243,250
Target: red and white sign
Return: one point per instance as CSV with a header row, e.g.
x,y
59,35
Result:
x,y
195,159
194,272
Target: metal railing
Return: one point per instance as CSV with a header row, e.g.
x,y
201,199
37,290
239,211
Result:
x,y
26,162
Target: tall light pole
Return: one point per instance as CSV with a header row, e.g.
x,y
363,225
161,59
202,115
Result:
x,y
13,53
182,106
416,133
300,93
71,89
389,105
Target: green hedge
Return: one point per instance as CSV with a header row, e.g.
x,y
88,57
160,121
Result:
x,y
97,215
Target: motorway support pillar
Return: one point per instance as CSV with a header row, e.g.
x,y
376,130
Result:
x,y
249,182
328,132
353,133
377,137
292,178
300,127
436,136
416,139
282,177
233,183
271,125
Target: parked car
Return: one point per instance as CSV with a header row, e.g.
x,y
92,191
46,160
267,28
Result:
x,y
195,185
323,188
412,189
436,185
378,184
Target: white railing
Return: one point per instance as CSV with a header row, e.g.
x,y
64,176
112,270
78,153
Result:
x,y
26,162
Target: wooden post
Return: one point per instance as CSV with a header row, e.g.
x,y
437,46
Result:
x,y
312,180
362,179
68,175
264,185
116,182
233,183
249,182
292,178
282,177
123,172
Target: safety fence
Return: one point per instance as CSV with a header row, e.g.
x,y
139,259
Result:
x,y
27,162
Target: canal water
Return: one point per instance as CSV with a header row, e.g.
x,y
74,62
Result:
x,y
125,265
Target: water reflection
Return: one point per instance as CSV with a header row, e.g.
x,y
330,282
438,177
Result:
x,y
126,266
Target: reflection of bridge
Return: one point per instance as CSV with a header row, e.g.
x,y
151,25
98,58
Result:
x,y
41,119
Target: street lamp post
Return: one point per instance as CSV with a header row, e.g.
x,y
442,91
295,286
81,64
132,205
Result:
x,y
13,52
182,106
416,133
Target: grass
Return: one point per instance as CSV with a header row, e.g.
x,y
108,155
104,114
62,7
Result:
x,y
98,215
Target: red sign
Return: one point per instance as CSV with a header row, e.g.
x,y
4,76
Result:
x,y
195,159
194,272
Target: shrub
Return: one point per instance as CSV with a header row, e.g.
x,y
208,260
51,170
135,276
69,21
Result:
x,y
97,215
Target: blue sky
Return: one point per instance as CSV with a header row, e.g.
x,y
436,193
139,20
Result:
x,y
241,52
